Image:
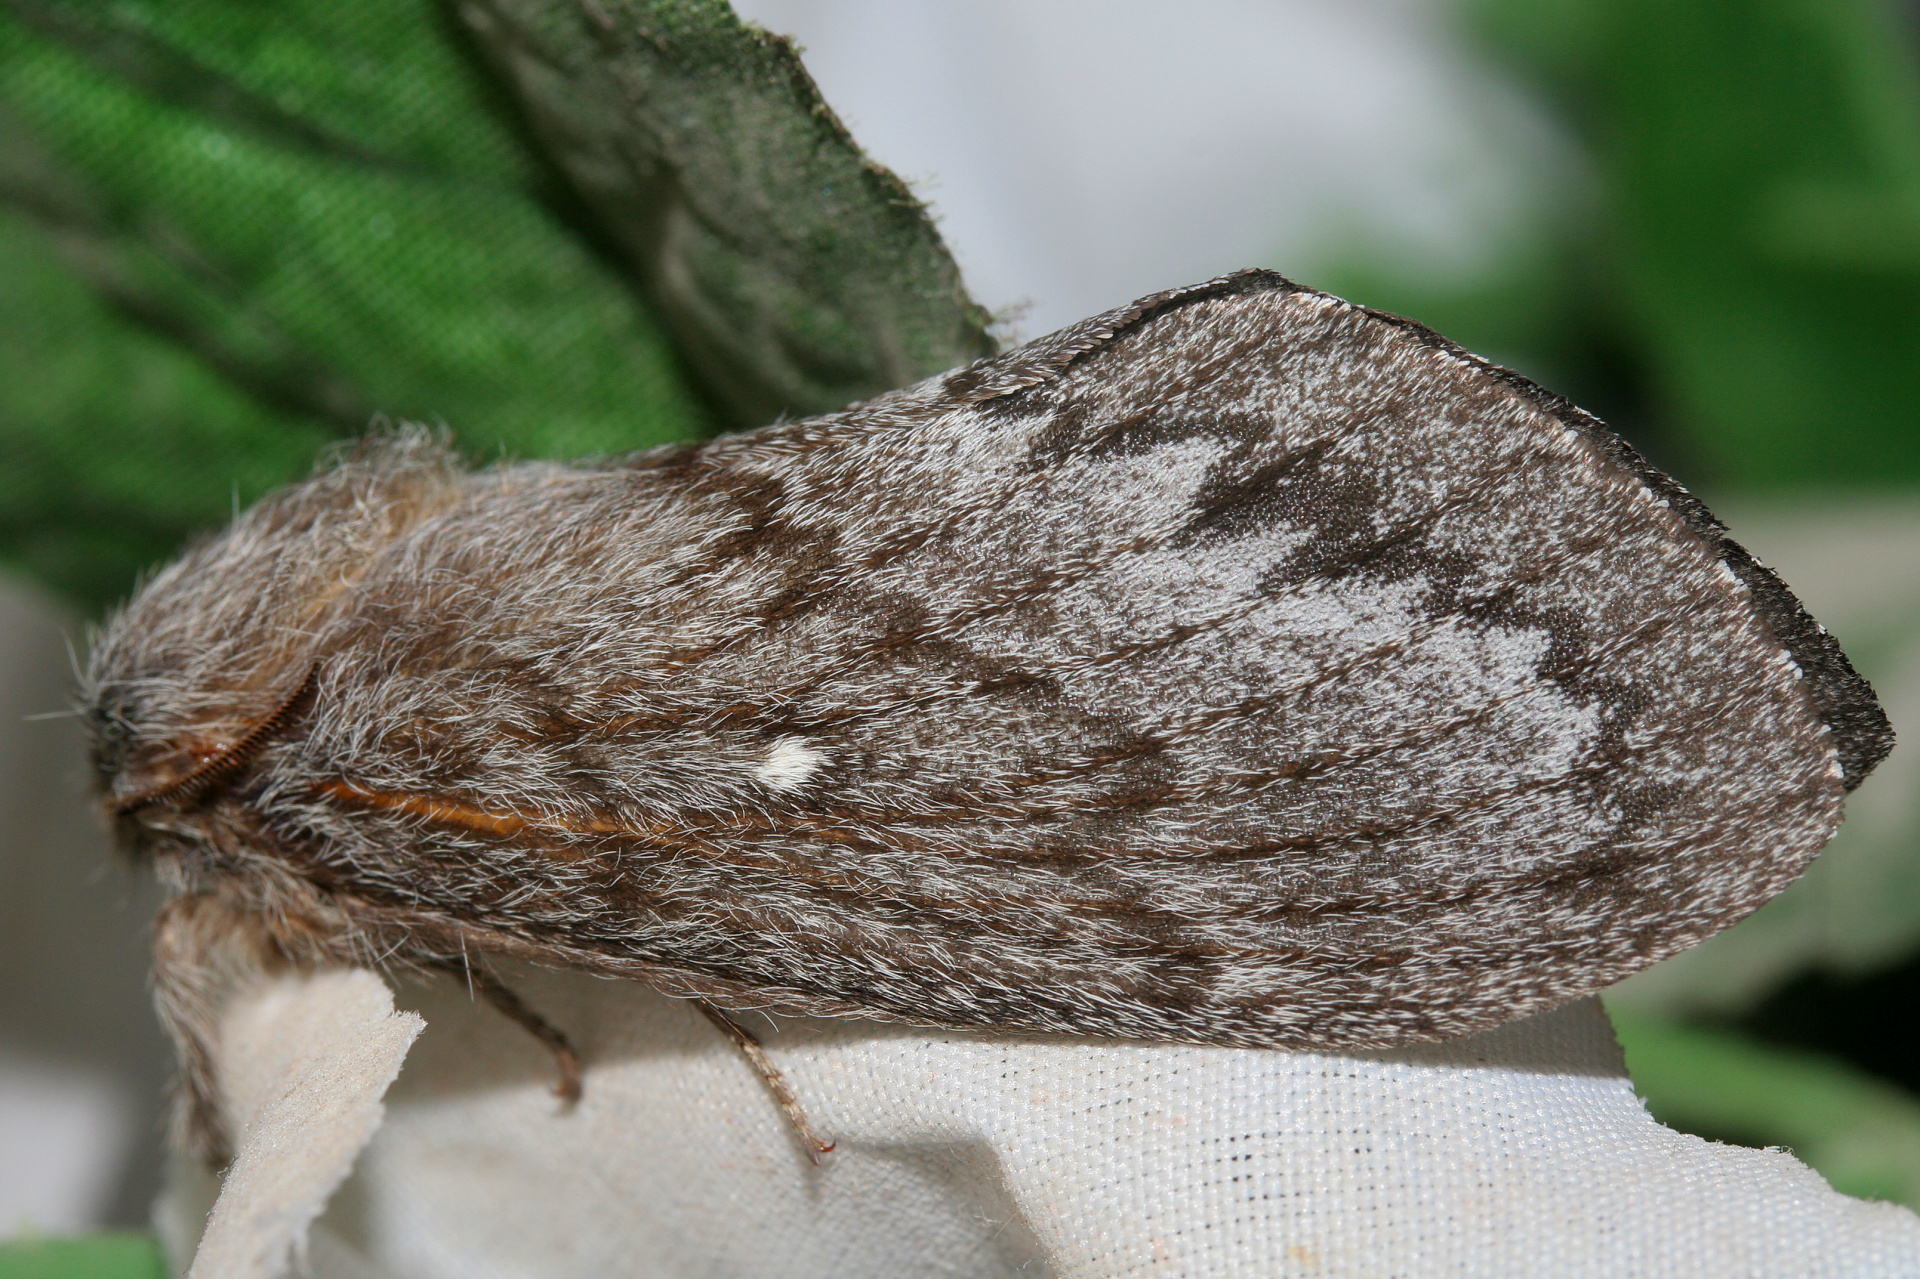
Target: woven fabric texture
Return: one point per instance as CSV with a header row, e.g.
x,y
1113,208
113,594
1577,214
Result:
x,y
1519,1152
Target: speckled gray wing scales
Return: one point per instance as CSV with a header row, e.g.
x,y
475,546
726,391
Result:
x,y
1242,667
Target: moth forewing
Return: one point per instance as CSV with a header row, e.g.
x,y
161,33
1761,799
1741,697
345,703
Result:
x,y
1240,667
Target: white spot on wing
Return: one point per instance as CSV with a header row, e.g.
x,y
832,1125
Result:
x,y
790,764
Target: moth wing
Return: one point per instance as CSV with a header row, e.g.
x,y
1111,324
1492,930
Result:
x,y
1241,667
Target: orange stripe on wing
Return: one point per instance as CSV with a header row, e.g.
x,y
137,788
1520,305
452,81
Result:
x,y
548,831
444,811
507,822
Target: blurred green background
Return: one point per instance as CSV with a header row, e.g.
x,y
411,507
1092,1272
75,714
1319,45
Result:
x,y
231,232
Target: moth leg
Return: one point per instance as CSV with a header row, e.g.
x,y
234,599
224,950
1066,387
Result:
x,y
515,1010
783,1093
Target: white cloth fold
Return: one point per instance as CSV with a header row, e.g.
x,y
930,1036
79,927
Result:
x,y
1519,1152
304,1062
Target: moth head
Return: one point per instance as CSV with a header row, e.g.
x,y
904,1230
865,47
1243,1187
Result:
x,y
212,662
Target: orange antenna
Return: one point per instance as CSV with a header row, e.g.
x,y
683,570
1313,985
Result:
x,y
209,773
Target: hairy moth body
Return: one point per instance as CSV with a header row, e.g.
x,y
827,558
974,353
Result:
x,y
1241,667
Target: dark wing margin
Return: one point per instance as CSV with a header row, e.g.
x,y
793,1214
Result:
x,y
1862,736
1845,701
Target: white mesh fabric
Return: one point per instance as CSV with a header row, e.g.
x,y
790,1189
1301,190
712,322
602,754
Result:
x,y
1519,1152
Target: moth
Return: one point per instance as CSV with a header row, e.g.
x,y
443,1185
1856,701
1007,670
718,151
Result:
x,y
1241,667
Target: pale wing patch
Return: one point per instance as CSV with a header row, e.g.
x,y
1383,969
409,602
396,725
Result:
x,y
790,764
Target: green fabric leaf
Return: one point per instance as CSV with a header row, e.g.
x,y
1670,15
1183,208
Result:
x,y
385,258
1860,1133
115,443
299,215
797,274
